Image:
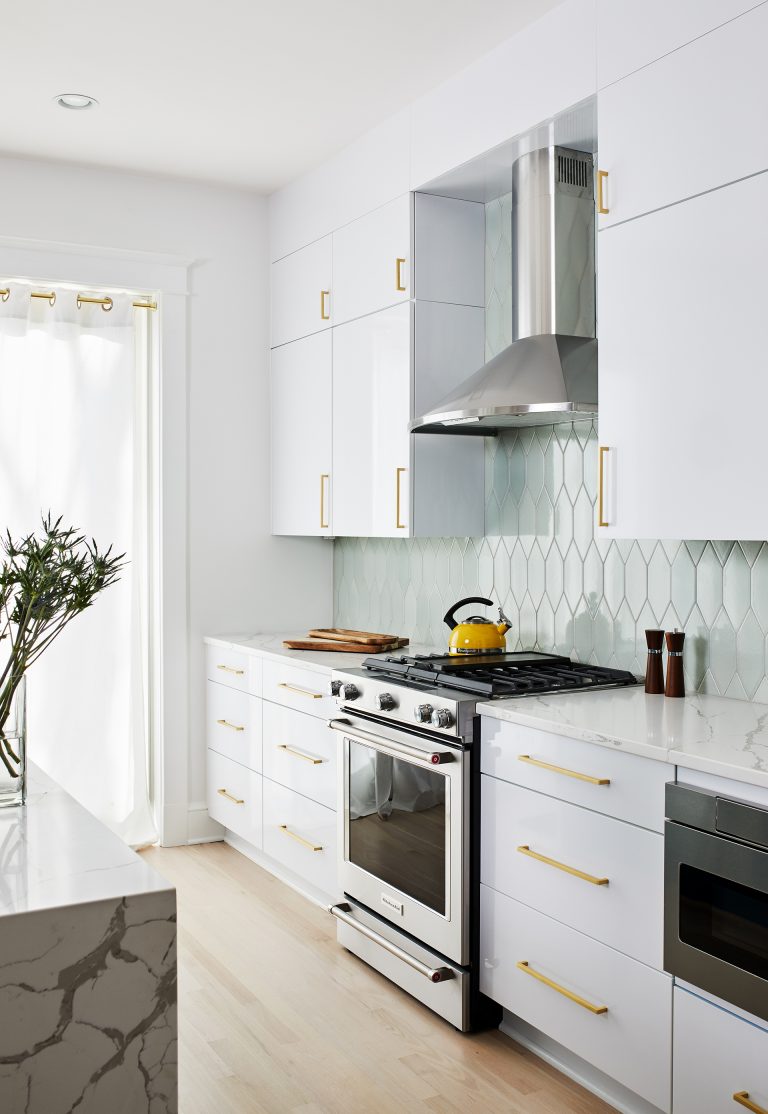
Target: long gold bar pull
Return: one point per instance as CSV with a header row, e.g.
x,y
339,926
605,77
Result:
x,y
300,691
562,770
323,524
743,1099
231,726
601,207
299,754
300,839
524,966
399,264
525,850
398,473
601,520
228,795
231,669
324,311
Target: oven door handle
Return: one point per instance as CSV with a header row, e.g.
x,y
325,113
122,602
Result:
x,y
434,974
387,746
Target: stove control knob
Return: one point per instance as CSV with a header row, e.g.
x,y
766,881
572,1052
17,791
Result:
x,y
385,702
334,688
441,717
349,691
423,713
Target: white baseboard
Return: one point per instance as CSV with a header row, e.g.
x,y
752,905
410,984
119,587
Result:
x,y
600,1084
201,828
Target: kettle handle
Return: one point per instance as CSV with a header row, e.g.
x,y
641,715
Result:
x,y
449,617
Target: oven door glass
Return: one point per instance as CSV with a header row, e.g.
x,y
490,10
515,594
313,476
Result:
x,y
398,823
725,919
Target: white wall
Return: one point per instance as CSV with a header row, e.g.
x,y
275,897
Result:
x,y
240,578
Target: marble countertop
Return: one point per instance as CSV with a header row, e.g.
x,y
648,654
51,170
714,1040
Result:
x,y
54,854
321,661
713,734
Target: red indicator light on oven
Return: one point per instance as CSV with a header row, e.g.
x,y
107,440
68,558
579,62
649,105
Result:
x,y
434,759
436,976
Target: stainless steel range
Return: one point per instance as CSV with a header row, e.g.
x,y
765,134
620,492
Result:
x,y
409,828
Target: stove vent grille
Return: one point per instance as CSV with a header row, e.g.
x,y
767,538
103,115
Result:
x,y
573,171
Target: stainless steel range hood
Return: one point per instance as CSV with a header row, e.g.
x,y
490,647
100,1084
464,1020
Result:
x,y
549,373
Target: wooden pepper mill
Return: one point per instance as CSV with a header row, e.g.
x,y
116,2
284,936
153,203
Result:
x,y
675,680
654,670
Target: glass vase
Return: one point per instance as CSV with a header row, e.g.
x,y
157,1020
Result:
x,y
13,750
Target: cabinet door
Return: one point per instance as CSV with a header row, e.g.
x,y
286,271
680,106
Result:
x,y
301,293
683,385
371,261
632,33
671,131
371,411
301,437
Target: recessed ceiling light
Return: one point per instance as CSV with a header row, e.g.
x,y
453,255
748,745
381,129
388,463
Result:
x,y
75,100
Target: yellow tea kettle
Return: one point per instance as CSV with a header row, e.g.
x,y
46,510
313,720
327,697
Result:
x,y
476,635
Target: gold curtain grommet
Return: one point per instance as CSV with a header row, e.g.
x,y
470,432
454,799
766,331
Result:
x,y
5,295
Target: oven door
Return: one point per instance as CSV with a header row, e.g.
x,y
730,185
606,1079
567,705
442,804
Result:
x,y
403,846
716,916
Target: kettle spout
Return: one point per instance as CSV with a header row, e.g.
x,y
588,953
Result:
x,y
503,624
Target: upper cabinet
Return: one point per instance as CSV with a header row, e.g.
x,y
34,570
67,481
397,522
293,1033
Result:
x,y
301,293
372,262
632,33
688,123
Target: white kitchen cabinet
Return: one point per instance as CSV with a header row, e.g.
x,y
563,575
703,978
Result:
x,y
294,686
372,261
683,386
300,753
301,835
671,131
633,33
717,1057
234,797
233,724
301,385
301,293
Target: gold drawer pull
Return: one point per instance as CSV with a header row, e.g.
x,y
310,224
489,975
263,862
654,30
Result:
x,y
601,206
229,669
523,966
300,754
300,839
562,770
399,264
228,795
323,524
525,850
398,473
301,691
743,1099
601,519
231,726
324,311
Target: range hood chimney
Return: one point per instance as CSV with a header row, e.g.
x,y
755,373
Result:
x,y
549,373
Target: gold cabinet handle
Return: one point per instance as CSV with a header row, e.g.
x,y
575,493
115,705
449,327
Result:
x,y
399,264
743,1099
229,669
300,691
525,850
300,754
323,524
324,310
562,770
528,970
228,795
398,473
300,839
601,521
601,176
231,726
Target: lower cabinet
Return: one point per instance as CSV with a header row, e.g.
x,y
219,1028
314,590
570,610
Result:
x,y
234,797
301,835
612,1011
721,1061
300,753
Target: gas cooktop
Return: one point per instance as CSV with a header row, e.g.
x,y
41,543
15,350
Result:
x,y
494,676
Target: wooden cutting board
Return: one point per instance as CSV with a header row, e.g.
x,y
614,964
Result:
x,y
333,646
339,634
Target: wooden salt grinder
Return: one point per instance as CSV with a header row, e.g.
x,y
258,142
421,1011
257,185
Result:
x,y
654,670
675,680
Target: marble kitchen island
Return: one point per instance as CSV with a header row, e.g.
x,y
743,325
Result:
x,y
87,966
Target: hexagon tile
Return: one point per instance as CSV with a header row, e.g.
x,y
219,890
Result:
x,y
563,591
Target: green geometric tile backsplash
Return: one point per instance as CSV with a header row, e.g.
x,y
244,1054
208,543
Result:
x,y
562,589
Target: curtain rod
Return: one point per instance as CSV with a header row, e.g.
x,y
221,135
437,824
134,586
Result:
x,y
105,303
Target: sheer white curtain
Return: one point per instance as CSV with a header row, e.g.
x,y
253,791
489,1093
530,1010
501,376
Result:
x,y
73,441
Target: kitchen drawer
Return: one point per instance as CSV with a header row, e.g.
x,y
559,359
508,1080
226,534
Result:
x,y
299,688
234,797
233,668
233,724
626,912
631,788
716,1056
631,1041
300,753
301,835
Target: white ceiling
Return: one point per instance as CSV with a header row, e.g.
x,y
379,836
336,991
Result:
x,y
237,91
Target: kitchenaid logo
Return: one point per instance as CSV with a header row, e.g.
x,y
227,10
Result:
x,y
392,904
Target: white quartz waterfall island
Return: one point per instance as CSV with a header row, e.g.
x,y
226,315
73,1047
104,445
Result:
x,y
87,966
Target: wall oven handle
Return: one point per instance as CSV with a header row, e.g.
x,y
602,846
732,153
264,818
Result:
x,y
434,974
743,1099
427,758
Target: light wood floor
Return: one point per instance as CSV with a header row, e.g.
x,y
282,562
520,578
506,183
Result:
x,y
276,1018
